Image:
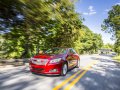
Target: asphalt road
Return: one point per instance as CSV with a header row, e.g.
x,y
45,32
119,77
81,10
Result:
x,y
95,73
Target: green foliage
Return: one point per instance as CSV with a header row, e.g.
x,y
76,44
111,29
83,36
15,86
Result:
x,y
65,25
108,46
117,46
90,41
117,58
9,11
112,25
42,24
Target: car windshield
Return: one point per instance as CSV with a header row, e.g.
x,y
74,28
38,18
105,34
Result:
x,y
56,51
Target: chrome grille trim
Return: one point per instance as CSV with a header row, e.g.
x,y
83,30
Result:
x,y
40,61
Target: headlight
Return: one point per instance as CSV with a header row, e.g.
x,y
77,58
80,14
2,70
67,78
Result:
x,y
55,60
31,59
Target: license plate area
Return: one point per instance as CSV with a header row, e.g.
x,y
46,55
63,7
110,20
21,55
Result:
x,y
40,61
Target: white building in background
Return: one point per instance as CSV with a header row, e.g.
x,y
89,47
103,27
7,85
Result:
x,y
105,51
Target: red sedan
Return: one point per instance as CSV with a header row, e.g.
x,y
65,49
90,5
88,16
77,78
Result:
x,y
55,61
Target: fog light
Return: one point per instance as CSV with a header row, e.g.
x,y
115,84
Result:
x,y
53,70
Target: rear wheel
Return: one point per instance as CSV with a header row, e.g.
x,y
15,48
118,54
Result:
x,y
64,69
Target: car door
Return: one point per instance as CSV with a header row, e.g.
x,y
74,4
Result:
x,y
76,57
71,59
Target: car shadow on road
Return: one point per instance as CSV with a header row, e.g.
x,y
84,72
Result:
x,y
70,70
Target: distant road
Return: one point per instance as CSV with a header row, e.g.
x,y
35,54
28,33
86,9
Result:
x,y
95,73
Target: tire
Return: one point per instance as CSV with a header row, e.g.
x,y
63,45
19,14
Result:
x,y
78,64
64,69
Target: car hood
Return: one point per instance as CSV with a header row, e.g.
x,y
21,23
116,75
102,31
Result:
x,y
49,57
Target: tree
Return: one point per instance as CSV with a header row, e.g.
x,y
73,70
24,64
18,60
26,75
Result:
x,y
97,42
112,25
24,37
66,25
10,12
44,24
90,41
108,46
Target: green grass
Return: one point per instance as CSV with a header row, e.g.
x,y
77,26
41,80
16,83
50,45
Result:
x,y
117,58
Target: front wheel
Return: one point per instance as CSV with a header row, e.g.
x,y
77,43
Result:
x,y
64,69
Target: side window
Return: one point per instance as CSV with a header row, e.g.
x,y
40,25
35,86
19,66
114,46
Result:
x,y
71,51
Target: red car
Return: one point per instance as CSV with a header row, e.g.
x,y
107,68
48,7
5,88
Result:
x,y
55,61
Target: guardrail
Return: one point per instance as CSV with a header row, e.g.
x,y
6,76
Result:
x,y
15,62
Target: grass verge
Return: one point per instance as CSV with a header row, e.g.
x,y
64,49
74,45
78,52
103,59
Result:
x,y
117,58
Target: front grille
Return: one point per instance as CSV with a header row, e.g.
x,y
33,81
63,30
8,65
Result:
x,y
40,61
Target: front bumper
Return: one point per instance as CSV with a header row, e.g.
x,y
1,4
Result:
x,y
49,69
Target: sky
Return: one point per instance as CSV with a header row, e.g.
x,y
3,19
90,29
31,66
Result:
x,y
94,12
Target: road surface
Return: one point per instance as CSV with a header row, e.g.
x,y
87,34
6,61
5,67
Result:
x,y
96,72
